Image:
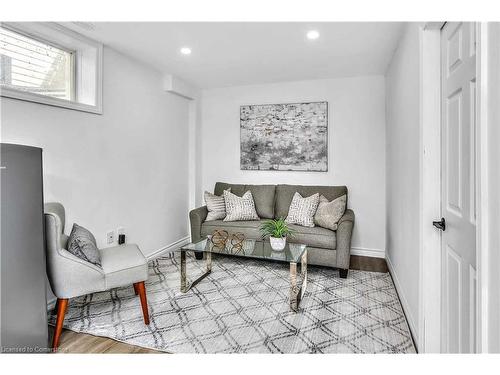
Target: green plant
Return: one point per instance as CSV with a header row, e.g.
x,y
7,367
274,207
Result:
x,y
276,228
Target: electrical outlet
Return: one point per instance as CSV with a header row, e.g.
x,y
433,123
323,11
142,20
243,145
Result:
x,y
110,237
120,235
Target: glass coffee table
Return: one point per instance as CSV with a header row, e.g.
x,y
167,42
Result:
x,y
293,253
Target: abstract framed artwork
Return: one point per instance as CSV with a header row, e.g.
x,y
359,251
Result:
x,y
284,137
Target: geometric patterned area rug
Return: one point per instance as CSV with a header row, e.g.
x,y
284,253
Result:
x,y
243,307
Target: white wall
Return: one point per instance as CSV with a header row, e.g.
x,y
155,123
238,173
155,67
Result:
x,y
403,171
127,167
356,144
489,205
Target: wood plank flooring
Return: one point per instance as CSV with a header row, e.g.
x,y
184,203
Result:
x,y
368,264
73,342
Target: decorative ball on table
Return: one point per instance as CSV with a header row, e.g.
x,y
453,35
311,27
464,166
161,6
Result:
x,y
237,242
219,238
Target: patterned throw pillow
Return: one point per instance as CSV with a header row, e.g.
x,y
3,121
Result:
x,y
302,210
216,206
240,208
329,213
81,243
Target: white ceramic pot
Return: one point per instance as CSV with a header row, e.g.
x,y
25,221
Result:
x,y
277,244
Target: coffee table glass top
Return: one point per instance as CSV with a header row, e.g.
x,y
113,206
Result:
x,y
251,249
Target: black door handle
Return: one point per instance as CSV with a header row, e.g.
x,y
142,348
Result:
x,y
440,224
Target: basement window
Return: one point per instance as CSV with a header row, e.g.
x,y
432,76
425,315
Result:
x,y
49,64
29,65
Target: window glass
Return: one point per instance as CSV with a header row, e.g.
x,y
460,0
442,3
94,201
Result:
x,y
31,65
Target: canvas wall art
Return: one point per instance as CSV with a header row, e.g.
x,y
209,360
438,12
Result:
x,y
284,137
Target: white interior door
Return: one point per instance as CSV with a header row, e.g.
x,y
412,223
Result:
x,y
458,204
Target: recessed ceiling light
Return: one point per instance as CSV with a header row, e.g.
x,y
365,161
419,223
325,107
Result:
x,y
186,50
312,34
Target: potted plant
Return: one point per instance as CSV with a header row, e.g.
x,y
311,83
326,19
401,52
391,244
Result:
x,y
277,230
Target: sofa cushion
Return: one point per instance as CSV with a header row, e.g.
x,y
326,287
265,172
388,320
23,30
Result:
x,y
315,237
285,193
124,264
263,196
236,189
249,228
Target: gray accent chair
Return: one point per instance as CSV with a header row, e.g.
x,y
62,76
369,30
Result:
x,y
325,247
70,276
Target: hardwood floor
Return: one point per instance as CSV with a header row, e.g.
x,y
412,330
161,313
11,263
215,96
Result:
x,y
73,342
368,264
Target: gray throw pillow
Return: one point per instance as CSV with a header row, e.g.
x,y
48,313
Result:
x,y
216,206
240,208
82,244
302,210
329,213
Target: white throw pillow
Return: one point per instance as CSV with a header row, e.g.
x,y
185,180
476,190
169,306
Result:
x,y
215,205
329,213
238,209
302,210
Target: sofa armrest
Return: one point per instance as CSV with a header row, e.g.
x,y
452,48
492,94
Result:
x,y
344,234
197,217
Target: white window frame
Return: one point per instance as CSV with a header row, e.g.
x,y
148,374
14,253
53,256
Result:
x,y
87,65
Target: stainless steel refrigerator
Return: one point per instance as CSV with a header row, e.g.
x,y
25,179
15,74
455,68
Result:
x,y
23,274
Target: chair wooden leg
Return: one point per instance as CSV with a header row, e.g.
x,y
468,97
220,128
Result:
x,y
144,302
135,289
62,304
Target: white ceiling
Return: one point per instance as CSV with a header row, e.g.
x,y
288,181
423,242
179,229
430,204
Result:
x,y
227,54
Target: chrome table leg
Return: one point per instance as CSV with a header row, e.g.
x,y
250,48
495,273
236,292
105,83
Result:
x,y
185,285
297,292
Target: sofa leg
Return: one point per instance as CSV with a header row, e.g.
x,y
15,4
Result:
x,y
343,273
62,304
144,302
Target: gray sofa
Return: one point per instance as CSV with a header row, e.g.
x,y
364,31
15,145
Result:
x,y
325,247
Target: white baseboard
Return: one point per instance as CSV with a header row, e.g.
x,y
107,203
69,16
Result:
x,y
366,252
173,246
404,302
